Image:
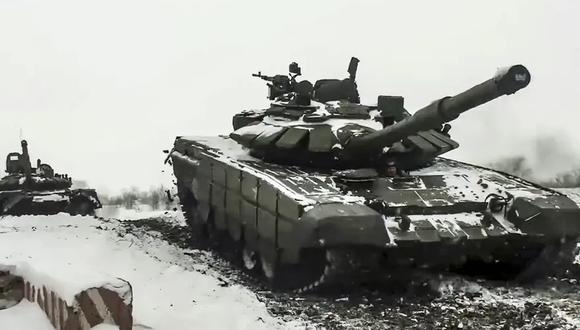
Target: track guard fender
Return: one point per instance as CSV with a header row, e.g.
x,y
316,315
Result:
x,y
333,225
9,200
86,194
553,217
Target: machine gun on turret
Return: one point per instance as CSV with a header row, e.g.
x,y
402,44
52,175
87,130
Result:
x,y
281,84
278,85
286,88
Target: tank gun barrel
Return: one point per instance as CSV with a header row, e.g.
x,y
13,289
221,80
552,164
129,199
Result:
x,y
506,81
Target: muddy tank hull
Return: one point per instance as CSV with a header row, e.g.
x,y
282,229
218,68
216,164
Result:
x,y
446,213
72,201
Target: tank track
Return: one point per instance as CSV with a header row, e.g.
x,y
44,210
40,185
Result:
x,y
336,267
344,267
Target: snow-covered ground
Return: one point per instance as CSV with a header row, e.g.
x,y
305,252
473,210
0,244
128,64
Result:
x,y
25,315
171,290
136,213
178,287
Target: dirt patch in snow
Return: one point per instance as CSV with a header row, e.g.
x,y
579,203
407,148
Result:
x,y
440,301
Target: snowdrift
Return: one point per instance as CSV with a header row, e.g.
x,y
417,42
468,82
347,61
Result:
x,y
172,288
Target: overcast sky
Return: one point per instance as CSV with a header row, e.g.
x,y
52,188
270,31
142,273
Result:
x,y
100,88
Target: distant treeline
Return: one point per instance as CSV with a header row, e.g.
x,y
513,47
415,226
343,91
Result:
x,y
156,197
519,166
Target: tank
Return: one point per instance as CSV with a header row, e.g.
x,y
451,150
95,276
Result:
x,y
320,188
39,190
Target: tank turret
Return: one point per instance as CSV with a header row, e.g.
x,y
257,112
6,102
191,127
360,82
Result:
x,y
334,130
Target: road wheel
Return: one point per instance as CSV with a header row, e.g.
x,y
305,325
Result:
x,y
269,270
250,260
308,274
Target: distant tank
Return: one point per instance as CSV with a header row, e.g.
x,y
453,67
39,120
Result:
x,y
40,191
318,186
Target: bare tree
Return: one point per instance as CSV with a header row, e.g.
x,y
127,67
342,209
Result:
x,y
156,197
